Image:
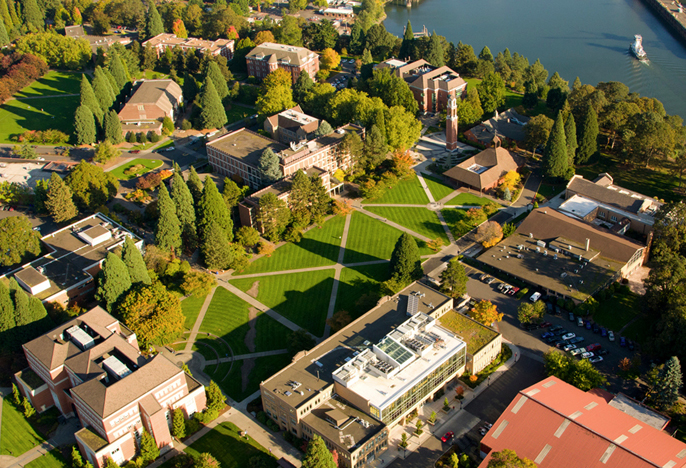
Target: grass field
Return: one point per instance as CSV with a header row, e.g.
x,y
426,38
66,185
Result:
x,y
18,116
419,220
148,165
318,247
358,282
617,311
549,191
467,199
53,83
52,459
271,334
370,239
439,189
16,434
191,308
300,297
655,182
406,192
231,383
227,317
234,112
229,448
167,144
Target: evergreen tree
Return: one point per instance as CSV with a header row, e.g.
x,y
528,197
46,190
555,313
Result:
x,y
407,46
153,21
215,398
102,87
320,200
190,87
37,310
213,73
168,230
113,131
577,84
133,259
435,55
149,449
454,279
215,249
570,136
84,126
113,281
212,114
273,215
178,424
486,54
375,148
59,202
231,193
76,459
22,313
367,57
669,382
6,309
324,129
299,199
302,87
88,98
5,16
212,208
406,264
194,185
118,71
268,166
33,15
185,210
587,136
317,455
555,161
530,98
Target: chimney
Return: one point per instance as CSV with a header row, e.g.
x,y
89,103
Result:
x,y
588,244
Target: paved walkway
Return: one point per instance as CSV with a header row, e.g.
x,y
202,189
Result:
x,y
198,321
241,357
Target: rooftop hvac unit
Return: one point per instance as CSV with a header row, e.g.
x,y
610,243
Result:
x,y
538,249
531,235
540,243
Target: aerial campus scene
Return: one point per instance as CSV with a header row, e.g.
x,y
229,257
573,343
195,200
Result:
x,y
341,233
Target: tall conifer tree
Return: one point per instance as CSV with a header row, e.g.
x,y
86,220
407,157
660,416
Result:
x,y
102,88
570,136
212,114
215,248
113,131
218,80
113,281
212,208
33,16
89,100
59,201
84,126
6,309
153,24
555,161
588,136
195,186
406,264
134,262
118,71
168,230
185,210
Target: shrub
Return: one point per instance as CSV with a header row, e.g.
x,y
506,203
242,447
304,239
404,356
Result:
x,y
186,125
197,283
154,137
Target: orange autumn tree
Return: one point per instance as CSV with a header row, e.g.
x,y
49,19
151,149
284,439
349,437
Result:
x,y
486,312
489,234
179,29
402,164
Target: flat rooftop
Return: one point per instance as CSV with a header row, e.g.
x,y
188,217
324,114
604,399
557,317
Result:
x,y
25,173
314,370
355,427
641,412
561,271
247,145
474,334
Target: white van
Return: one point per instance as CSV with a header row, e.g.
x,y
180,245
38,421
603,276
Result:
x,y
535,296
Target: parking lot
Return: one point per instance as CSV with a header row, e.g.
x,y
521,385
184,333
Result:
x,y
531,343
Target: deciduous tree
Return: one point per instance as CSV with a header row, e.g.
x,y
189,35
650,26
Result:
x,y
491,92
489,234
509,459
59,202
537,131
113,281
329,59
105,152
317,455
153,313
91,186
486,312
528,312
19,243
276,94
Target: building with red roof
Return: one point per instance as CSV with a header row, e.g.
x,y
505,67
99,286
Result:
x,y
557,425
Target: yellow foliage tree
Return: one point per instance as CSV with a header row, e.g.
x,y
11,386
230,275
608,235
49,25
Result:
x,y
511,180
489,234
329,59
486,312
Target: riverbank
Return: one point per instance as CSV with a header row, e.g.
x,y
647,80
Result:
x,y
669,13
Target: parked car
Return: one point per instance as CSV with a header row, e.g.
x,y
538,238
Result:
x,y
577,351
135,151
448,436
490,280
580,321
572,317
535,296
561,331
553,340
484,277
611,336
588,325
587,355
603,352
603,331
622,342
569,347
595,359
531,326
561,344
568,336
593,347
547,335
512,291
577,339
546,324
631,345
556,328
596,328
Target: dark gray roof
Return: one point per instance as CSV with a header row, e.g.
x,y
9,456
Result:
x,y
609,194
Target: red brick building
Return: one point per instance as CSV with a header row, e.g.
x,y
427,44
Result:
x,y
150,102
432,87
557,425
91,367
267,57
484,171
223,47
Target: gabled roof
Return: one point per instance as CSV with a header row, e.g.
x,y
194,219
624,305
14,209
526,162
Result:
x,y
507,124
161,93
556,425
604,191
497,162
279,52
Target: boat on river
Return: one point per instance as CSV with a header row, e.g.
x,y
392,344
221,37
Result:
x,y
637,48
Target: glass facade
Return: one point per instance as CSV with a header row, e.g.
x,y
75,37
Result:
x,y
421,390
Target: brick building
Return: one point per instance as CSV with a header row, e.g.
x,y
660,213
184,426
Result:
x,y
484,171
66,274
432,86
91,367
291,125
161,42
267,57
150,102
505,126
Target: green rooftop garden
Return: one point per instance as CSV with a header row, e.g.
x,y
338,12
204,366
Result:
x,y
471,332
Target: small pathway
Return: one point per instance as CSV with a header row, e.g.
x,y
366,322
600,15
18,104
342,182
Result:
x,y
198,321
425,187
243,357
337,277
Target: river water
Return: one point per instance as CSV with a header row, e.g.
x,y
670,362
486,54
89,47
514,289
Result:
x,y
585,38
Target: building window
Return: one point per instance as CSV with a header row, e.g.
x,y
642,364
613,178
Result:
x,y
613,218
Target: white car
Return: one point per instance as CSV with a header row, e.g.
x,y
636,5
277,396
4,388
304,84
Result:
x,y
568,336
576,351
535,296
611,335
587,355
595,359
169,149
569,347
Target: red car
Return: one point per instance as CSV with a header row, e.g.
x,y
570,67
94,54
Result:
x,y
135,151
448,436
546,324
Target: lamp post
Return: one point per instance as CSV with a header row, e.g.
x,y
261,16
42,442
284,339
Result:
x,y
489,381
